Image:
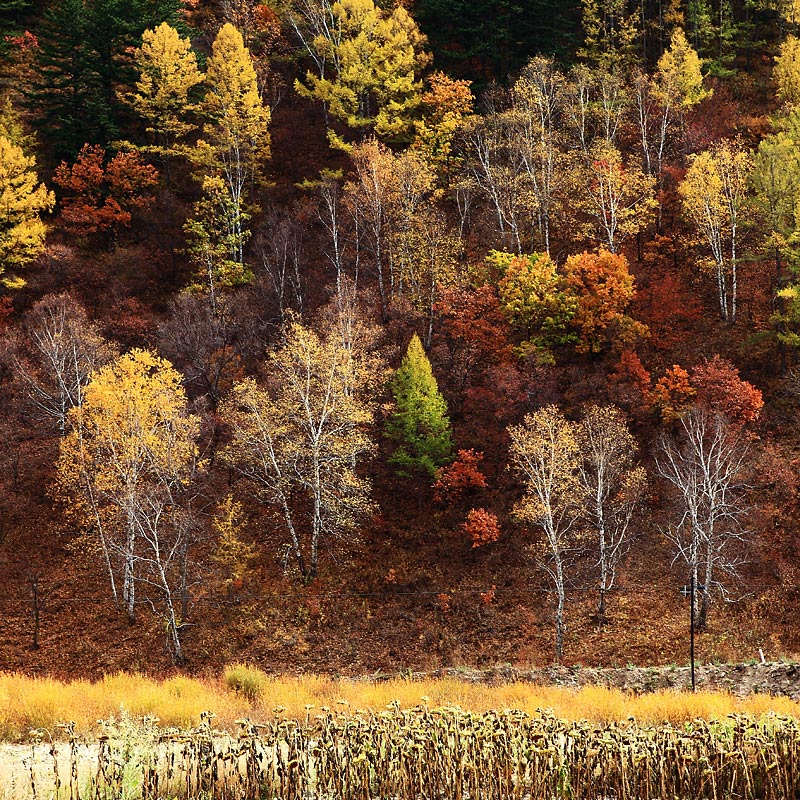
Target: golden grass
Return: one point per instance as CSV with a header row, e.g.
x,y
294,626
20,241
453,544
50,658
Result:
x,y
42,703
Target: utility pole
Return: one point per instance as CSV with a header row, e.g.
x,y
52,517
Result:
x,y
691,627
690,591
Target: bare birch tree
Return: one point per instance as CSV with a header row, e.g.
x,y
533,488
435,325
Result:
x,y
544,451
65,349
613,486
706,464
300,439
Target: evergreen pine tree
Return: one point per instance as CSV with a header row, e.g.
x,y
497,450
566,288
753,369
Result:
x,y
85,61
66,96
420,425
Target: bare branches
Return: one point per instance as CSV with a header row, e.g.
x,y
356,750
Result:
x,y
706,465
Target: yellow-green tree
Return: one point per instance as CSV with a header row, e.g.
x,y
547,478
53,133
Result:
x,y
23,200
301,438
679,79
787,71
168,74
236,138
714,194
419,424
217,235
368,63
130,452
232,555
536,301
610,34
544,452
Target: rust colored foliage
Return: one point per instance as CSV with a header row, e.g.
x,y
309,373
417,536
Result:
x,y
673,394
604,288
481,527
488,597
473,347
99,196
719,388
474,330
460,478
632,372
6,311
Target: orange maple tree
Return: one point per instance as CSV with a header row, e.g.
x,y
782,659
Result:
x,y
97,196
604,288
720,389
460,478
482,527
673,394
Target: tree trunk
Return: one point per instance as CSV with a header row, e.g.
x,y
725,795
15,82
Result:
x,y
560,609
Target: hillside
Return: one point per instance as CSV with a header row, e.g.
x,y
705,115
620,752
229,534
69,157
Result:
x,y
345,370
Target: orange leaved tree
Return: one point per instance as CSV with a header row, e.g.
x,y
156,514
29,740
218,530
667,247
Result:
x,y
99,196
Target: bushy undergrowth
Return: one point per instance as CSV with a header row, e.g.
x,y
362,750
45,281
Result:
x,y
28,703
248,681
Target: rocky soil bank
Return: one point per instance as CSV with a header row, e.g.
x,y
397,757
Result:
x,y
775,678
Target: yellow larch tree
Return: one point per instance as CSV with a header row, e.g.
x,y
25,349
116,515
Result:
x,y
168,73
368,63
23,200
235,142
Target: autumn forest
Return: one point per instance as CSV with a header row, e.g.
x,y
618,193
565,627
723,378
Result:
x,y
378,335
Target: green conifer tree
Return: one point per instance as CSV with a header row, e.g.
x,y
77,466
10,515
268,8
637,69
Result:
x,y
420,425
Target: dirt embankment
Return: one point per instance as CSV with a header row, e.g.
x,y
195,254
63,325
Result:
x,y
739,679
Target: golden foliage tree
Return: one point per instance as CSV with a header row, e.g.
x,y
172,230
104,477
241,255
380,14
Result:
x,y
130,451
368,63
445,105
168,73
300,438
787,71
22,202
679,80
661,101
714,194
617,198
235,141
603,288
